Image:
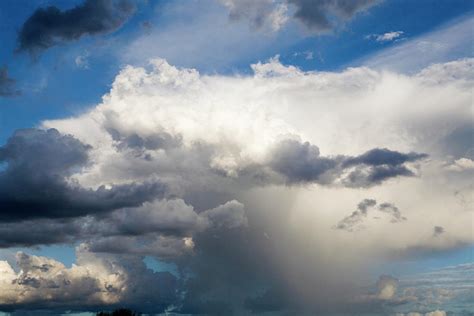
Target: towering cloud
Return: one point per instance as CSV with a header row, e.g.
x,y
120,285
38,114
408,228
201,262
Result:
x,y
50,26
203,171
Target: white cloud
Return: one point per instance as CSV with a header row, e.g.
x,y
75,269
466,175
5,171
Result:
x,y
82,61
386,37
461,164
210,138
450,42
211,40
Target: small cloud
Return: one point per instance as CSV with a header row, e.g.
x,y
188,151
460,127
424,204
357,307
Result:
x,y
82,61
353,222
386,37
386,287
461,164
438,230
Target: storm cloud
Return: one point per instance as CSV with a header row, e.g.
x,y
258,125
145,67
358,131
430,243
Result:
x,y
220,169
302,163
35,182
50,26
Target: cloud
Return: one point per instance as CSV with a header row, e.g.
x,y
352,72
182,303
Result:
x,y
461,164
7,84
396,216
42,283
438,230
81,61
353,222
35,182
386,287
50,26
447,289
447,43
386,37
357,216
318,16
254,169
326,15
260,13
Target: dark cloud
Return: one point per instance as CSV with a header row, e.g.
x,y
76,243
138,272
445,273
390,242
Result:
x,y
323,15
35,182
393,211
7,84
353,221
302,163
348,223
383,157
378,165
151,142
438,230
50,26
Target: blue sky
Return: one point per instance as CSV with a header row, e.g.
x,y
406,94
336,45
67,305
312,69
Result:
x,y
389,44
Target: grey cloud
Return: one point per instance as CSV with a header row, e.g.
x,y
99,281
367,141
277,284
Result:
x,y
460,142
438,230
394,212
320,15
302,163
150,142
50,26
229,215
7,84
383,157
34,183
349,222
95,282
353,221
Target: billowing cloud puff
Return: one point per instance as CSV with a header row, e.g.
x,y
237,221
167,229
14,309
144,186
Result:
x,y
42,283
35,182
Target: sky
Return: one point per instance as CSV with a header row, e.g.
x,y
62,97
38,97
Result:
x,y
237,157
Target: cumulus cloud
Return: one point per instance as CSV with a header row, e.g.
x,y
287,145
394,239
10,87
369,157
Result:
x,y
461,164
7,84
35,182
50,26
250,169
43,283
